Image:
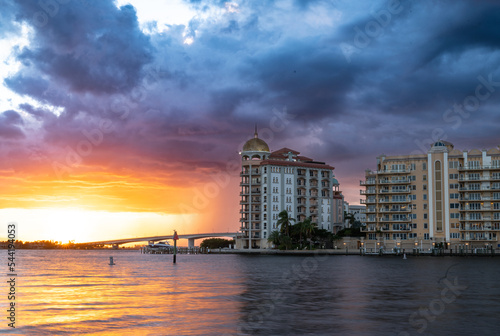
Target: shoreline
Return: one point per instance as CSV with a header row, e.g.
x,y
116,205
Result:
x,y
437,253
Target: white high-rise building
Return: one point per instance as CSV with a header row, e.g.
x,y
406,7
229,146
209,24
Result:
x,y
284,180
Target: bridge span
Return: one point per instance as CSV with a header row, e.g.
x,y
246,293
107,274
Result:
x,y
190,237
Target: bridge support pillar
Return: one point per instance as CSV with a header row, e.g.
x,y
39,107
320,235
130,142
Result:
x,y
190,242
115,246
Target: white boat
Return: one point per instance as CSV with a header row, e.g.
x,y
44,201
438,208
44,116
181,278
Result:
x,y
161,244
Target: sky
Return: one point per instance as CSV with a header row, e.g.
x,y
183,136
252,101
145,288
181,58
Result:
x,y
125,118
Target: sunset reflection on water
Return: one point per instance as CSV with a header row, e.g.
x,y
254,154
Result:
x,y
78,292
67,292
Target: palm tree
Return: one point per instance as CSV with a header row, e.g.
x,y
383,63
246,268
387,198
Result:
x,y
284,222
275,238
308,227
350,217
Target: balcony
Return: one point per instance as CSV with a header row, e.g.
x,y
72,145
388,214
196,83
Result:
x,y
247,172
368,191
398,181
481,178
367,182
479,239
367,201
394,171
395,210
470,219
401,220
479,228
482,198
479,168
395,191
468,188
468,208
383,200
386,228
369,228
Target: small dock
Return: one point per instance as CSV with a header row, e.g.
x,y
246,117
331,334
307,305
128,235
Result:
x,y
170,250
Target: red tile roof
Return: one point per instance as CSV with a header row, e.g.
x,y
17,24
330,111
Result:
x,y
296,164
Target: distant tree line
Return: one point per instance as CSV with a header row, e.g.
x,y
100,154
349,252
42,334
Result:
x,y
38,244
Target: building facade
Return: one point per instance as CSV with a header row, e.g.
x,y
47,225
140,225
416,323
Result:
x,y
447,198
358,211
284,180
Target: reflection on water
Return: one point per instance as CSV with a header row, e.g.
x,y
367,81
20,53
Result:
x,y
77,292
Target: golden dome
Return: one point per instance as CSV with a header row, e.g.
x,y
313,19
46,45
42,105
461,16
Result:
x,y
255,144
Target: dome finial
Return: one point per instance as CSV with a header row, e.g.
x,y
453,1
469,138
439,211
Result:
x,y
255,134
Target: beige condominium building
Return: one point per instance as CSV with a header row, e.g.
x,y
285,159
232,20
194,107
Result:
x,y
447,198
284,180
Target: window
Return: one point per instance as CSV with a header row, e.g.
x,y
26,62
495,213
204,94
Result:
x,y
454,186
454,196
475,196
474,177
474,164
424,166
454,235
425,224
453,176
402,236
425,216
424,186
413,197
425,197
424,178
414,216
454,164
454,206
398,167
426,236
412,167
372,236
414,225
474,216
425,206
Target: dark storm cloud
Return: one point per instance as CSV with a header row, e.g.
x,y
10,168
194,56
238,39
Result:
x,y
11,125
173,103
91,48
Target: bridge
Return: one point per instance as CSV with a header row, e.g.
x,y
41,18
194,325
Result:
x,y
190,237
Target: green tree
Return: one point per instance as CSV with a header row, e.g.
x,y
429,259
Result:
x,y
284,222
275,238
350,217
305,229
